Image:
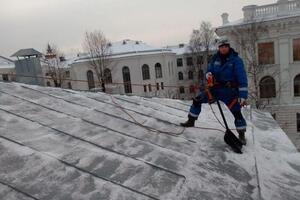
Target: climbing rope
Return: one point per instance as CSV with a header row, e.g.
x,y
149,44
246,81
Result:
x,y
142,125
160,131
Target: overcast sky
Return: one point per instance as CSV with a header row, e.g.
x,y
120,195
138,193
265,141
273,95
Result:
x,y
34,23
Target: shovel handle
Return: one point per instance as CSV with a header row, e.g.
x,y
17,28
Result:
x,y
222,114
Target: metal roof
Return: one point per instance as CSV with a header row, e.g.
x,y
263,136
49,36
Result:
x,y
62,144
27,52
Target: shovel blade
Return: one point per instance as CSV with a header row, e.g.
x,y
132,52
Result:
x,y
233,142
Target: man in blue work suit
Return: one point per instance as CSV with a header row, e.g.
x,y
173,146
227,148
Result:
x,y
230,86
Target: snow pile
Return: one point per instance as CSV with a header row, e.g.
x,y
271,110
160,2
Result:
x,y
62,144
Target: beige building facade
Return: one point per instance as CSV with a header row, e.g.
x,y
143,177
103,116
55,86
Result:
x,y
277,50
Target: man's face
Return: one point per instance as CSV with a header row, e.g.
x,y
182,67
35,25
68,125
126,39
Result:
x,y
224,49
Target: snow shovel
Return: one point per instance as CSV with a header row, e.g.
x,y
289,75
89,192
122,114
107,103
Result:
x,y
229,136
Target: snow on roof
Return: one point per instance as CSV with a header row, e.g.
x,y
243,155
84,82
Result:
x,y
6,63
183,49
63,144
128,48
180,49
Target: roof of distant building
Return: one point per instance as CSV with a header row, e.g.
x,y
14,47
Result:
x,y
127,48
6,63
27,52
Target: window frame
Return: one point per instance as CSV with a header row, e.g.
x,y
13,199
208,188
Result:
x,y
181,90
298,122
294,85
158,70
180,76
293,50
179,64
191,75
264,90
146,72
189,61
260,60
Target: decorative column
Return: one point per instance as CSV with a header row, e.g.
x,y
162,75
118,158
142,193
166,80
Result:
x,y
284,76
249,12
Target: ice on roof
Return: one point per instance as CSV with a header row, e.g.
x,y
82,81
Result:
x,y
63,144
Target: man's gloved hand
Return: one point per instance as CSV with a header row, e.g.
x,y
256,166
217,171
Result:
x,y
208,74
242,102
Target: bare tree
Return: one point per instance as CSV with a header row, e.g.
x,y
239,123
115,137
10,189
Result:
x,y
201,42
247,38
98,47
54,59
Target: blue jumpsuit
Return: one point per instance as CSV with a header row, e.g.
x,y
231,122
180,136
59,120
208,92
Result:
x,y
226,70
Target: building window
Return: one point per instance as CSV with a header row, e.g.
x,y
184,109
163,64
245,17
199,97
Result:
x,y
90,78
266,54
5,77
267,87
201,74
127,80
162,85
191,75
67,74
297,86
296,49
107,76
158,70
200,60
48,84
145,88
69,85
150,87
157,86
179,62
146,72
180,76
298,122
181,90
189,61
274,116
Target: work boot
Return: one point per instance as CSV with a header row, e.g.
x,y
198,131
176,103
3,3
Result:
x,y
242,136
189,123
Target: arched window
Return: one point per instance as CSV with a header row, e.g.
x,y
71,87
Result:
x,y
145,72
48,84
180,75
191,75
158,70
267,87
90,78
126,80
297,86
107,76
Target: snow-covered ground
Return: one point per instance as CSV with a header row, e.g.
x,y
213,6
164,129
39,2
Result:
x,y
62,144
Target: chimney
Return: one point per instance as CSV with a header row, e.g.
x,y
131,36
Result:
x,y
225,18
249,12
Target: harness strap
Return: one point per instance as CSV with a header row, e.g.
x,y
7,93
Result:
x,y
232,103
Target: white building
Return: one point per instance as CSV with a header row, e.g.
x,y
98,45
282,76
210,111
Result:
x,y
135,68
278,53
7,68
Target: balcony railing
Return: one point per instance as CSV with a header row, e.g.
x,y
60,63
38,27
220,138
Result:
x,y
281,8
